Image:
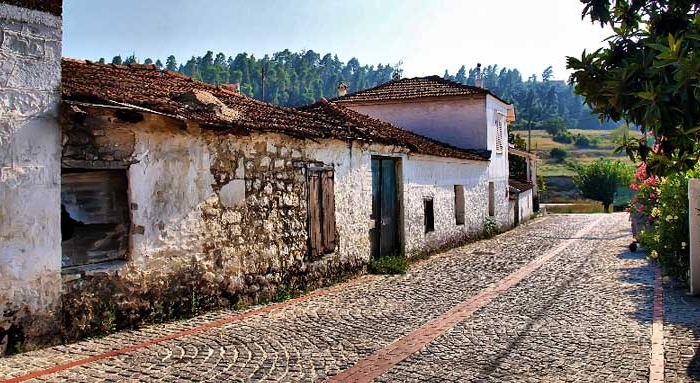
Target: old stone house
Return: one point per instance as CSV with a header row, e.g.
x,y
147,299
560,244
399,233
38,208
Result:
x,y
465,116
167,195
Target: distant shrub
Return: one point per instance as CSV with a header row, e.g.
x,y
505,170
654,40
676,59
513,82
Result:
x,y
564,137
558,154
388,265
554,126
582,141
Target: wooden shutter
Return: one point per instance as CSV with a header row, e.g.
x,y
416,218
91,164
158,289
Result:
x,y
328,197
315,209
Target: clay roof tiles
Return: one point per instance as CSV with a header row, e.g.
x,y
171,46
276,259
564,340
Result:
x,y
171,93
411,89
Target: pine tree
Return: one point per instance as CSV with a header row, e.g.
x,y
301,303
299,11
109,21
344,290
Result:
x,y
171,63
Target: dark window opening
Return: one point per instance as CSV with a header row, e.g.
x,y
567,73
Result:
x,y
428,215
459,205
492,199
322,228
94,216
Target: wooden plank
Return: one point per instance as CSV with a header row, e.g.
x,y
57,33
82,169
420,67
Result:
x,y
315,234
329,235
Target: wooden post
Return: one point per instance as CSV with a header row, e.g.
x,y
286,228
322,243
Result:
x,y
694,220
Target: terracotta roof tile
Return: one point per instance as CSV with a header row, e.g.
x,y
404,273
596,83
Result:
x,y
519,185
413,88
217,107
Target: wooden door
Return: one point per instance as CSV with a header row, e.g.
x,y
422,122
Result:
x,y
385,208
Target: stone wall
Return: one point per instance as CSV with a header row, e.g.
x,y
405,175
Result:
x,y
216,219
30,284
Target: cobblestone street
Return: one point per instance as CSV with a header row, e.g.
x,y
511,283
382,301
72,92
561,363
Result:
x,y
559,299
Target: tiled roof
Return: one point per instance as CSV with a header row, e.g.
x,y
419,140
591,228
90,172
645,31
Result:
x,y
519,185
217,107
374,130
412,88
169,92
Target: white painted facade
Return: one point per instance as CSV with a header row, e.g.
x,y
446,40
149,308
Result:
x,y
435,178
30,239
468,122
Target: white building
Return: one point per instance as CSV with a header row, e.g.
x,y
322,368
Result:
x,y
461,115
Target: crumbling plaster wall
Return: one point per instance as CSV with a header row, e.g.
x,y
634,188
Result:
x,y
30,284
221,215
426,177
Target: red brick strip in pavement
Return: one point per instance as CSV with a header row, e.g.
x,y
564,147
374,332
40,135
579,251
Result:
x,y
375,365
194,330
657,364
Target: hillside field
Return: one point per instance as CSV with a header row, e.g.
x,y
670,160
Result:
x,y
542,143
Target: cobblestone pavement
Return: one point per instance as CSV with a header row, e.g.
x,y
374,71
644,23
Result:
x,y
681,334
583,316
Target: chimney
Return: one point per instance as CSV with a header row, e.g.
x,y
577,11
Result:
x,y
479,76
235,87
342,89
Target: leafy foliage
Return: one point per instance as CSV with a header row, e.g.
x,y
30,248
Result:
x,y
388,265
600,180
517,165
647,75
558,154
664,201
490,229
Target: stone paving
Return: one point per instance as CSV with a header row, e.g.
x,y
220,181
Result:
x,y
681,334
583,316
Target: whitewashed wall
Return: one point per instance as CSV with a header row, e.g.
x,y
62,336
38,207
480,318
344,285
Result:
x,y
432,177
30,238
525,204
498,168
464,122
447,120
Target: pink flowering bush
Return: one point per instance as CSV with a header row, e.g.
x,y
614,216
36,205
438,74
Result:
x,y
664,202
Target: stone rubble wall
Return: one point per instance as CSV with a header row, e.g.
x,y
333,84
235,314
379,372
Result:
x,y
216,219
30,252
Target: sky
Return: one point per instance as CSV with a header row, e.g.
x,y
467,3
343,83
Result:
x,y
429,36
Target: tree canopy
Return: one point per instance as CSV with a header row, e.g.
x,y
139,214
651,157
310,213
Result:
x,y
647,75
600,180
298,78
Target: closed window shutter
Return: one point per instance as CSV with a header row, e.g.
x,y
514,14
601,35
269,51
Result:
x,y
328,198
315,209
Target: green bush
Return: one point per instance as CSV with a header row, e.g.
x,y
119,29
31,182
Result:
x,y
665,201
554,126
491,228
388,265
558,154
563,137
581,141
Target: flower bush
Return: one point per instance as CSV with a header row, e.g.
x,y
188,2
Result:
x,y
664,201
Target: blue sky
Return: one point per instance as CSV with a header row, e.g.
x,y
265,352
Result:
x,y
428,35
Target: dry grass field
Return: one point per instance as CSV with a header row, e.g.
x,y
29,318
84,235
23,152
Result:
x,y
542,143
